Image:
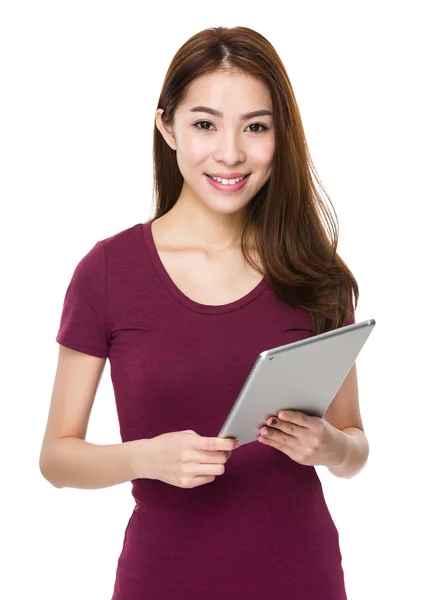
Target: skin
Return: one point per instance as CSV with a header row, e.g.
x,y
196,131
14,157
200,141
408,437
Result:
x,y
210,218
211,221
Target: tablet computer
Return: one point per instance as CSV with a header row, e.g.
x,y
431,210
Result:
x,y
304,376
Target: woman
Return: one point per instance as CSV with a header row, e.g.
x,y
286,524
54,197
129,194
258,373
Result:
x,y
236,260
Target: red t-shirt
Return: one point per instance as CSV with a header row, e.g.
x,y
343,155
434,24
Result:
x,y
260,530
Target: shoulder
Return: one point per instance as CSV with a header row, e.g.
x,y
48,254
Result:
x,y
122,241
121,238
93,264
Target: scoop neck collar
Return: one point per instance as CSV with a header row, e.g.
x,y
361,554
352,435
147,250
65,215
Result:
x,y
180,296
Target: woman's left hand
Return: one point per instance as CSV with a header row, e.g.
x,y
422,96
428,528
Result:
x,y
305,439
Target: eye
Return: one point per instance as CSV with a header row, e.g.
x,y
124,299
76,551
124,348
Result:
x,y
251,125
200,122
259,125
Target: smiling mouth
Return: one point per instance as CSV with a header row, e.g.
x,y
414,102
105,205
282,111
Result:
x,y
226,178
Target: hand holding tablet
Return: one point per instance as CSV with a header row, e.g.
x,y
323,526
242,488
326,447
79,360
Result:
x,y
302,376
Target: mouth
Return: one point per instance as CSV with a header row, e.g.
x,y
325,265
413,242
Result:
x,y
231,179
230,185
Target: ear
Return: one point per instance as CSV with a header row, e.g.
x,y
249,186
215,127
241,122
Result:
x,y
165,129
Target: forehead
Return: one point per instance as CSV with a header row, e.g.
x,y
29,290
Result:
x,y
228,92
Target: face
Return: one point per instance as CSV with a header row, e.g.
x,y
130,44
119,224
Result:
x,y
224,144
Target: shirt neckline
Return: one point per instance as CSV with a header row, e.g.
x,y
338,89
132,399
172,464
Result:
x,y
180,296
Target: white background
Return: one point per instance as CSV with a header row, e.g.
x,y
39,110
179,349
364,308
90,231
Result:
x,y
80,83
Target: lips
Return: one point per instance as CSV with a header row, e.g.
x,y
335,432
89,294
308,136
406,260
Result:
x,y
227,178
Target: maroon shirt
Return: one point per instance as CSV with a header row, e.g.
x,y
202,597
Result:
x,y
260,530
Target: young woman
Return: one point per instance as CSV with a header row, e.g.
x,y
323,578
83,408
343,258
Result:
x,y
235,260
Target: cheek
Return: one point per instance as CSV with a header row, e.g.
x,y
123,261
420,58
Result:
x,y
192,150
262,154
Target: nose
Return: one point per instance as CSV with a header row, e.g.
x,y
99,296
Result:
x,y
229,148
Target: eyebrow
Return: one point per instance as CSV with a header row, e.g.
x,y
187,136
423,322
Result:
x,y
245,117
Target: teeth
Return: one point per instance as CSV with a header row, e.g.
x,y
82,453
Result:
x,y
228,181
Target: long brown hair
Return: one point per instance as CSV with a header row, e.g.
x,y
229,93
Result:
x,y
300,261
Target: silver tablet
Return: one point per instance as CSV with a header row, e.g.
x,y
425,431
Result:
x,y
304,375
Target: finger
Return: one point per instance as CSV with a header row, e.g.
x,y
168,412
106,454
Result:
x,y
298,417
278,427
286,448
210,456
293,449
216,443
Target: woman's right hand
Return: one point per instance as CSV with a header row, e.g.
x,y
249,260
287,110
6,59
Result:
x,y
183,458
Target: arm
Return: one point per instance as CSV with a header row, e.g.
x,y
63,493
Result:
x,y
344,414
355,452
66,459
76,463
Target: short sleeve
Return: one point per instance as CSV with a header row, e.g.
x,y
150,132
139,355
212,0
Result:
x,y
83,320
